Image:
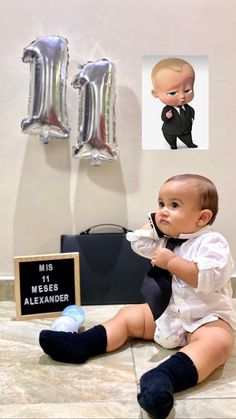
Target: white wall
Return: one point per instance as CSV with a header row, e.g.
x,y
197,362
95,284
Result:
x,y
44,191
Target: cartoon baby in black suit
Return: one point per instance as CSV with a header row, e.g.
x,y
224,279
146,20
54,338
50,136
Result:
x,y
173,81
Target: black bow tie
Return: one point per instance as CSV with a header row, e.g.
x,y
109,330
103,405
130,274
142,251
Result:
x,y
157,284
173,242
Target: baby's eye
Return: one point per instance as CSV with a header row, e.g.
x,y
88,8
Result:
x,y
161,204
188,91
172,94
174,205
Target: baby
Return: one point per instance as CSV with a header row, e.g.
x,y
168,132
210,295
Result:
x,y
199,319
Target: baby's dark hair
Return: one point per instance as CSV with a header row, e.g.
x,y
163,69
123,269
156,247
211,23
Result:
x,y
207,192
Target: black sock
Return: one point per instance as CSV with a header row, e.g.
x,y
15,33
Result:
x,y
75,348
158,385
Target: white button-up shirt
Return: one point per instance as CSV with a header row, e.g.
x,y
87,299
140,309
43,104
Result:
x,y
212,299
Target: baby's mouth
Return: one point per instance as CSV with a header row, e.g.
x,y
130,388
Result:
x,y
164,221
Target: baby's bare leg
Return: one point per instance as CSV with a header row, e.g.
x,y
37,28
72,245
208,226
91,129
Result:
x,y
134,321
209,347
131,321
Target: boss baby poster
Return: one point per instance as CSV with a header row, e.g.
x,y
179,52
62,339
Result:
x,y
175,101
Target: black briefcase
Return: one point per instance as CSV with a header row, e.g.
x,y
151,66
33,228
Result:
x,y
110,272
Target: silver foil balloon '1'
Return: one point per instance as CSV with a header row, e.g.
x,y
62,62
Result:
x,y
47,114
96,120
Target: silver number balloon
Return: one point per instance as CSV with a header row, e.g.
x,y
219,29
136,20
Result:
x,y
47,114
96,115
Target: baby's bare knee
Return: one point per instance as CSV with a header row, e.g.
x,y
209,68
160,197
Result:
x,y
219,340
224,348
125,312
139,322
224,341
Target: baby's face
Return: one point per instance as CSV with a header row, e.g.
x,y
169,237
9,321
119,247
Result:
x,y
178,208
174,88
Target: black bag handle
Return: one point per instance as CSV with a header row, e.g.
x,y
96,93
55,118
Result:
x,y
125,230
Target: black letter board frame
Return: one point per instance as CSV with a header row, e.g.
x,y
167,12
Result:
x,y
46,284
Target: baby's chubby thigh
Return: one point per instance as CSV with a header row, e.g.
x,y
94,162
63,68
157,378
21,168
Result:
x,y
169,332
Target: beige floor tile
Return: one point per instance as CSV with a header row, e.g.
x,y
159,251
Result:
x,y
34,386
148,355
80,410
204,409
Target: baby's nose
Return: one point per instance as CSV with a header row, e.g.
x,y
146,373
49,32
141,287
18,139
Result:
x,y
164,210
181,95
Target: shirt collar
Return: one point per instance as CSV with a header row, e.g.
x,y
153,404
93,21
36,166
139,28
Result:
x,y
193,235
178,107
196,234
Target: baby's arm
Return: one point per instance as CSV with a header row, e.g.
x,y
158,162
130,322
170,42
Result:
x,y
166,114
182,268
210,268
145,240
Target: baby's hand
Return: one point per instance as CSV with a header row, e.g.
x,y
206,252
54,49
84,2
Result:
x,y
161,257
169,114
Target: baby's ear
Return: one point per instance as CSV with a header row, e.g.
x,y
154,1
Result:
x,y
154,93
205,217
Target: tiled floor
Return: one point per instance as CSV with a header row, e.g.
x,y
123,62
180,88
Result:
x,y
34,386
